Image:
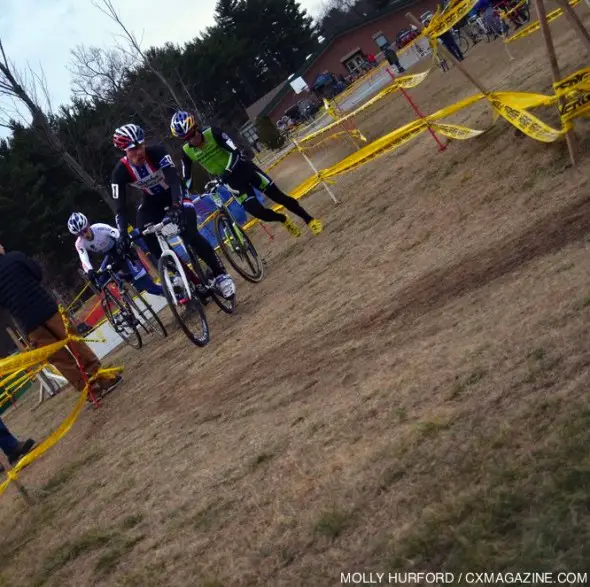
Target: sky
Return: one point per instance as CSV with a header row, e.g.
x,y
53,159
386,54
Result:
x,y
41,33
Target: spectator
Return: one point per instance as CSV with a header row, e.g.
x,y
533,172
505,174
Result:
x,y
371,60
491,20
392,59
13,448
37,314
448,40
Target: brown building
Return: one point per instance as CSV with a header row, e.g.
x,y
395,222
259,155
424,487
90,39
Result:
x,y
343,54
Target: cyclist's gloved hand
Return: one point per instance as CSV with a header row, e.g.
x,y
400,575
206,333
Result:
x,y
91,275
176,216
123,245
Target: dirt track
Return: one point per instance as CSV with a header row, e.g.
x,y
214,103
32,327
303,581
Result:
x,y
362,385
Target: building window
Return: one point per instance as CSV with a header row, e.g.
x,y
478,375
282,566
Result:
x,y
355,64
381,41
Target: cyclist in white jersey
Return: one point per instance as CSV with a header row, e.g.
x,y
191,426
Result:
x,y
102,238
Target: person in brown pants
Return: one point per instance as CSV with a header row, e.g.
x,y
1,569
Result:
x,y
36,312
53,331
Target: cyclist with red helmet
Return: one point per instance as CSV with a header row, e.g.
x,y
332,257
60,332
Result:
x,y
214,150
151,169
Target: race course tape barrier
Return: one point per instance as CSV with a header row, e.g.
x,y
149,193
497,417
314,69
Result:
x,y
535,26
512,106
443,22
39,357
406,82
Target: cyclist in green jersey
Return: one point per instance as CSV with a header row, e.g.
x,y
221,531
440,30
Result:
x,y
214,150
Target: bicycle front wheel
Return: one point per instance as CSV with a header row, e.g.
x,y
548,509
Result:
x,y
148,319
238,249
121,318
184,304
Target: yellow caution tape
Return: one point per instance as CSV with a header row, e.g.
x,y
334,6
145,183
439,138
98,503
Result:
x,y
354,132
360,81
535,26
514,9
580,80
79,295
36,356
405,81
442,22
30,358
575,108
456,131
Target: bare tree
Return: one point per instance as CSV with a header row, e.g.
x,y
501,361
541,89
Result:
x,y
107,7
100,73
14,90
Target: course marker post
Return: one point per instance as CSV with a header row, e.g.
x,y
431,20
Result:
x,y
418,112
542,14
315,170
469,76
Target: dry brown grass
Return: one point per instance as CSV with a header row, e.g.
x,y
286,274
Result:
x,y
409,390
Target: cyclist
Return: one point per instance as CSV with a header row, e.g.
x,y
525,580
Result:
x,y
152,170
214,150
102,238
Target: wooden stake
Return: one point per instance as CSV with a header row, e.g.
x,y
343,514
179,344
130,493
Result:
x,y
22,490
576,23
315,170
542,14
469,76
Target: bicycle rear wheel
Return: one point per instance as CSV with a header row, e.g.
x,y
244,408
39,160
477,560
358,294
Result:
x,y
227,305
463,43
121,318
184,305
148,319
238,249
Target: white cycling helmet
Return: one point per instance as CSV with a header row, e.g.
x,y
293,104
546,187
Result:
x,y
128,136
77,223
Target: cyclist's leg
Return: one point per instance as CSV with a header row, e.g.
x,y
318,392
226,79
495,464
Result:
x,y
201,245
141,278
150,212
253,206
266,185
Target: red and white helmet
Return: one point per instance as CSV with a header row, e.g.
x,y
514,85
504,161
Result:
x,y
128,136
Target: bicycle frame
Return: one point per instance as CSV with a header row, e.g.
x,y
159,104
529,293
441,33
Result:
x,y
223,207
167,252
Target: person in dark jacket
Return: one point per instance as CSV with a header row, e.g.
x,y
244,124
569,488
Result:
x,y
37,314
12,447
392,58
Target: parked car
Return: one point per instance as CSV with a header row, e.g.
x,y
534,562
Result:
x,y
405,36
426,17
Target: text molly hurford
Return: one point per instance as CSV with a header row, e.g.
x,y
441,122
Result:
x,y
470,578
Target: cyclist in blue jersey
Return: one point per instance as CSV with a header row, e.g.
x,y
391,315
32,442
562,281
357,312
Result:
x,y
151,169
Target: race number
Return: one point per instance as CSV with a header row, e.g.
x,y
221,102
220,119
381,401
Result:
x,y
115,190
229,142
166,161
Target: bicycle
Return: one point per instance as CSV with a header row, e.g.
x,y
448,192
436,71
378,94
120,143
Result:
x,y
461,40
237,248
129,312
184,286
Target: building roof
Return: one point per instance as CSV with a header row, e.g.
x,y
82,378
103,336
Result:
x,y
256,109
283,89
